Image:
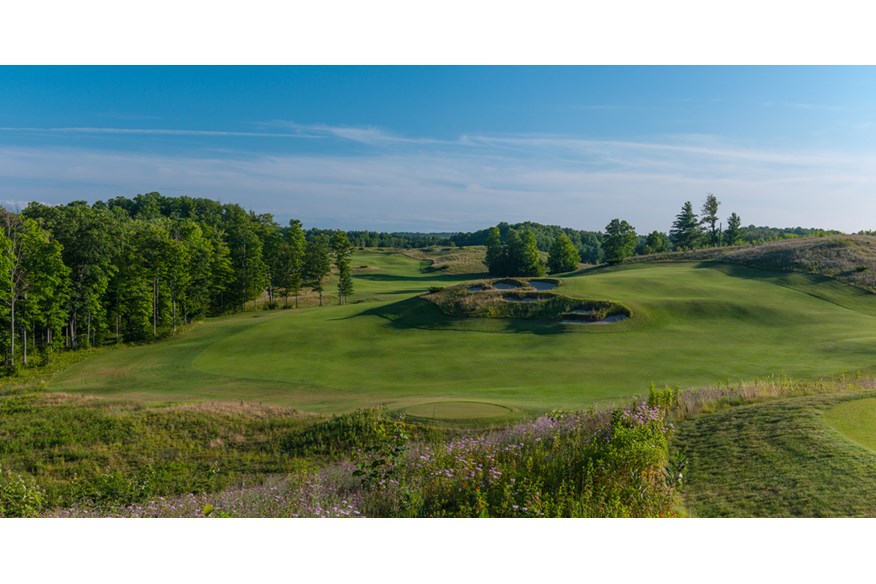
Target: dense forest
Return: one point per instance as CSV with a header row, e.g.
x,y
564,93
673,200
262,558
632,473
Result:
x,y
135,269
131,270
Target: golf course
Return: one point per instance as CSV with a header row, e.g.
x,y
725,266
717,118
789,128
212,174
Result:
x,y
693,324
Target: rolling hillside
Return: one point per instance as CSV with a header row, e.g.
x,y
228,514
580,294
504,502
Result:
x,y
692,324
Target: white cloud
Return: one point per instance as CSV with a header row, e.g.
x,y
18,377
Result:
x,y
475,181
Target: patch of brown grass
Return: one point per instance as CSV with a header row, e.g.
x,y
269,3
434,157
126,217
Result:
x,y
453,260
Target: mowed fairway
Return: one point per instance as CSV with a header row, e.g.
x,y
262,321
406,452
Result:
x,y
692,325
855,420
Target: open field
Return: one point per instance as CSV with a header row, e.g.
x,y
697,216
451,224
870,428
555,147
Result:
x,y
693,324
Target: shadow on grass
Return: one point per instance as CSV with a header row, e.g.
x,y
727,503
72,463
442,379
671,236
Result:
x,y
432,277
416,313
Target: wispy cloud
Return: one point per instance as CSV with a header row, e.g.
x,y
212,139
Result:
x,y
154,132
369,135
802,106
475,181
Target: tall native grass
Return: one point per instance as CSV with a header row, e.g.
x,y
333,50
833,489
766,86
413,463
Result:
x,y
598,463
228,461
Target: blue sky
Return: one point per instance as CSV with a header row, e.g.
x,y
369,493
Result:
x,y
451,148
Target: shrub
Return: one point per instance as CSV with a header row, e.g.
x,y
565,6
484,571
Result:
x,y
666,398
19,497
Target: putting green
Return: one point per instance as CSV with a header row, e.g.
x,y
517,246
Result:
x,y
855,420
457,410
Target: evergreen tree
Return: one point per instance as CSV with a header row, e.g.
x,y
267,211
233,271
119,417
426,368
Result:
x,y
343,250
733,234
619,241
685,232
710,218
317,263
563,256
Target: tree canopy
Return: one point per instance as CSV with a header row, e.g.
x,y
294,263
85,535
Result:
x,y
619,241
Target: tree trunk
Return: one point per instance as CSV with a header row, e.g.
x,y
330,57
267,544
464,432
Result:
x,y
12,333
24,344
155,307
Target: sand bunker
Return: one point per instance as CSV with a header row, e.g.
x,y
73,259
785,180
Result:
x,y
606,320
587,311
542,285
505,286
515,299
477,288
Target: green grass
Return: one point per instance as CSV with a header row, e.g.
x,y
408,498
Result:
x,y
457,410
782,458
693,324
855,420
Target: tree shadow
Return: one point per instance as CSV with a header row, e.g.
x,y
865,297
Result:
x,y
432,277
417,313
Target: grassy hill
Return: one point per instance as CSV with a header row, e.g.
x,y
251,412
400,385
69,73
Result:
x,y
198,414
692,324
848,258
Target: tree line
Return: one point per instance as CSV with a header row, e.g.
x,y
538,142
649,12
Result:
x,y
619,240
131,270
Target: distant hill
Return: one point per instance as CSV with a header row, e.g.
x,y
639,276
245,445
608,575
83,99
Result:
x,y
849,258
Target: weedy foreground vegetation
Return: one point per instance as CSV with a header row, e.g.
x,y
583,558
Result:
x,y
203,424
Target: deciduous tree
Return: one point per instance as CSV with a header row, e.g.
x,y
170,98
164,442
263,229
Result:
x,y
619,241
343,250
563,256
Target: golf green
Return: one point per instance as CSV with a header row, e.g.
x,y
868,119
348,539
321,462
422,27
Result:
x,y
457,410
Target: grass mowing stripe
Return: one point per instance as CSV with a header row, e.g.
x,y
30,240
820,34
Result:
x,y
777,459
856,420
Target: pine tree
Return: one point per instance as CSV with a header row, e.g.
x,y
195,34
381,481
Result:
x,y
733,235
710,218
685,232
563,256
619,241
